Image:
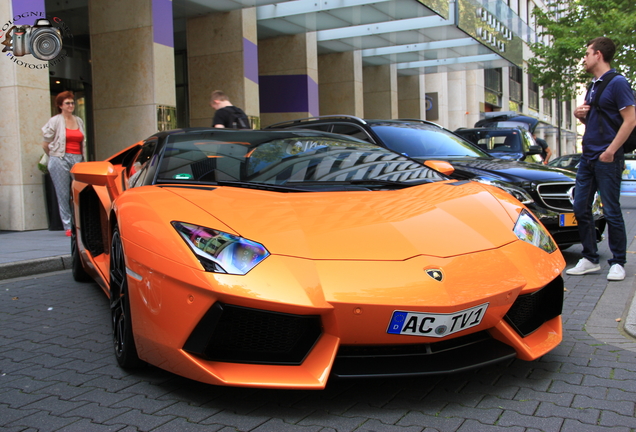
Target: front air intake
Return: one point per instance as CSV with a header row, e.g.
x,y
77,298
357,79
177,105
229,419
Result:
x,y
238,334
530,311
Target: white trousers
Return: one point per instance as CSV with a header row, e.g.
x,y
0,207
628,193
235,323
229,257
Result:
x,y
59,168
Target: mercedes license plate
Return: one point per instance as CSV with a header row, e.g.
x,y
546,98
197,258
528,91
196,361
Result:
x,y
435,324
567,219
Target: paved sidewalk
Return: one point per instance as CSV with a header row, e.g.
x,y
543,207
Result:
x,y
613,320
27,253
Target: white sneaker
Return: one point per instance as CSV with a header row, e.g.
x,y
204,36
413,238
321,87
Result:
x,y
584,266
616,273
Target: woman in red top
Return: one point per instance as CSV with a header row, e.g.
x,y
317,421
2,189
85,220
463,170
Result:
x,y
64,139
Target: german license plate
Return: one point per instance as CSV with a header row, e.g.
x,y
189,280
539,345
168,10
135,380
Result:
x,y
567,219
435,324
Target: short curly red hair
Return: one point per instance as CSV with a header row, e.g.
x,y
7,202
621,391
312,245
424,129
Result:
x,y
61,97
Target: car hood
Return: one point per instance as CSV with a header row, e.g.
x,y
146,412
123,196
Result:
x,y
509,170
442,219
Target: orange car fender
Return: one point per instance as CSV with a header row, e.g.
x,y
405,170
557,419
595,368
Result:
x,y
144,217
512,206
545,266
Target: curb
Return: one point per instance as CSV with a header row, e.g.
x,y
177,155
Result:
x,y
35,266
630,320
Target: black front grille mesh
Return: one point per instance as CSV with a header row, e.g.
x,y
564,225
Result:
x,y
242,335
530,311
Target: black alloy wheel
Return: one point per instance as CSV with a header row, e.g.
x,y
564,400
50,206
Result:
x,y
123,340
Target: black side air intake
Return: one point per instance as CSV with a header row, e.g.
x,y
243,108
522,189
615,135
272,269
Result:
x,y
530,311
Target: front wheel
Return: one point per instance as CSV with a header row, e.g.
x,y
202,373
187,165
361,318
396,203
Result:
x,y
79,273
123,340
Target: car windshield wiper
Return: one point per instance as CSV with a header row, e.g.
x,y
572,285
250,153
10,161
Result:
x,y
370,182
392,182
262,186
236,183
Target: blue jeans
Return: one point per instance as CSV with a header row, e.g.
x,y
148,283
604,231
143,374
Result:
x,y
605,177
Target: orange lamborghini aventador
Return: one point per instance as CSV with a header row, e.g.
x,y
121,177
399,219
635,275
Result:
x,y
281,258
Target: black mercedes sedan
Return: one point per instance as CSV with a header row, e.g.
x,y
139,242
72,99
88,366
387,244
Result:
x,y
546,191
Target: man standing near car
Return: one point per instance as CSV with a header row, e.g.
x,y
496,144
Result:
x,y
227,115
602,160
546,153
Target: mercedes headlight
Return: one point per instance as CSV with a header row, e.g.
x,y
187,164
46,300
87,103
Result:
x,y
220,252
528,229
520,194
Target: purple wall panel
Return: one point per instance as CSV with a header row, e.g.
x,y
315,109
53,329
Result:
x,y
250,60
162,22
29,7
288,93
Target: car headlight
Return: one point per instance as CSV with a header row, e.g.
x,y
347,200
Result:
x,y
528,229
220,252
520,194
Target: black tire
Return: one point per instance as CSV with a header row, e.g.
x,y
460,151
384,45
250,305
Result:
x,y
123,340
79,274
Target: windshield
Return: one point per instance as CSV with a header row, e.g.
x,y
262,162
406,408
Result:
x,y
512,123
291,159
505,140
425,141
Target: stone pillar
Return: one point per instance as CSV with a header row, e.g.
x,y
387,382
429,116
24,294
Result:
x,y
439,82
475,96
505,89
222,55
380,92
412,97
288,77
132,56
457,108
341,89
26,105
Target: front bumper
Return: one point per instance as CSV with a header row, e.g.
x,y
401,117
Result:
x,y
311,320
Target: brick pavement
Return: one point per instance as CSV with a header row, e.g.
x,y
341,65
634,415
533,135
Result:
x,y
58,373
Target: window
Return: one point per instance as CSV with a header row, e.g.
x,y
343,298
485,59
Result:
x,y
516,80
139,168
351,130
533,94
493,86
547,107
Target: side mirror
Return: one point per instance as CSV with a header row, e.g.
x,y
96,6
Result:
x,y
100,173
441,166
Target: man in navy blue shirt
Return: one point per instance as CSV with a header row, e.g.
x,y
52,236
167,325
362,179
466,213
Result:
x,y
602,162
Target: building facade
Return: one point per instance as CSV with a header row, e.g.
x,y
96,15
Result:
x,y
139,66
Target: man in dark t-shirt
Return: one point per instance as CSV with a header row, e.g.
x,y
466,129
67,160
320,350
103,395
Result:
x,y
546,153
227,115
602,159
